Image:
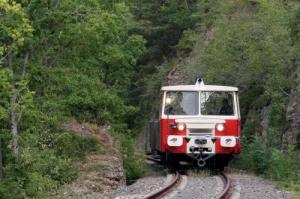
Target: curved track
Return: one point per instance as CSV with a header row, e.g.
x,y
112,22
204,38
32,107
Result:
x,y
225,192
165,189
157,161
159,193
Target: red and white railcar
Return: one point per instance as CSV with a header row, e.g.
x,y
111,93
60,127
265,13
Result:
x,y
198,122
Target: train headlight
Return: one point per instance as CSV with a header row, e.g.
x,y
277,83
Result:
x,y
180,126
220,127
168,100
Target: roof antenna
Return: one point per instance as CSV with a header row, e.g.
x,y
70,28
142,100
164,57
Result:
x,y
199,81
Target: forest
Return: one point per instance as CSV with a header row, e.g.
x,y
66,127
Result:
x,y
103,62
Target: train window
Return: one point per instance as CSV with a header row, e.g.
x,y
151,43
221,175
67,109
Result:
x,y
217,103
182,103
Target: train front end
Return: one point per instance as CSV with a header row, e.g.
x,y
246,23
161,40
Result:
x,y
201,122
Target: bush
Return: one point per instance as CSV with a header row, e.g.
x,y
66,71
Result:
x,y
132,162
255,157
272,163
133,167
74,146
284,166
45,162
38,184
260,156
12,187
187,41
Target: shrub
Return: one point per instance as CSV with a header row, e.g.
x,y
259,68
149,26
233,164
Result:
x,y
187,41
260,156
132,162
37,184
283,166
74,146
255,157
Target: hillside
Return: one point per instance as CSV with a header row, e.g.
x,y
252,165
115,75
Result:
x,y
102,63
253,45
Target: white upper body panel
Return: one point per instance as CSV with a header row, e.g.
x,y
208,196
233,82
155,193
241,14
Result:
x,y
198,88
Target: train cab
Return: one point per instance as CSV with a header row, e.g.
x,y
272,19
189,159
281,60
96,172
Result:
x,y
199,121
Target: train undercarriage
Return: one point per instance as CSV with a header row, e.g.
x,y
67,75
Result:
x,y
213,162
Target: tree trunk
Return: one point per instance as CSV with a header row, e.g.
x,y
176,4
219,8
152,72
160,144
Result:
x,y
14,125
186,5
13,111
25,65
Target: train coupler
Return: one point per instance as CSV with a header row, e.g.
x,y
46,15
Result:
x,y
200,157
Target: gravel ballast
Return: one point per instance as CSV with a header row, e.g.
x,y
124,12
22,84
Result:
x,y
140,188
248,187
199,187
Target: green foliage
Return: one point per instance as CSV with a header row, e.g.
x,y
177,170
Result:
x,y
38,184
283,166
45,162
78,58
163,30
89,60
4,96
15,25
251,49
254,45
133,162
70,145
134,169
272,163
187,41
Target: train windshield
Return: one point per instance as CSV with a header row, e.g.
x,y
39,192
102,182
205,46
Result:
x,y
217,103
182,103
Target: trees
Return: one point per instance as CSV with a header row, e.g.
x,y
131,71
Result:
x,y
59,59
15,28
255,47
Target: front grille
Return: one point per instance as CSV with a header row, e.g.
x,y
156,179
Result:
x,y
200,131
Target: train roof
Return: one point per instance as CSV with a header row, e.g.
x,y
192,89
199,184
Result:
x,y
199,88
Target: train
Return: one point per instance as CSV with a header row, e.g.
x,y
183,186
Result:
x,y
198,124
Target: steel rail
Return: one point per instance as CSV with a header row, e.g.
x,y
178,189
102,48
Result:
x,y
153,160
162,191
225,191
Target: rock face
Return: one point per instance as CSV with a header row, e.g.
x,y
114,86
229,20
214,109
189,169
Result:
x,y
186,69
176,75
265,121
292,134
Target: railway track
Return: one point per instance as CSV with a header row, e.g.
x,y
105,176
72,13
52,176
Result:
x,y
176,179
227,182
156,161
159,193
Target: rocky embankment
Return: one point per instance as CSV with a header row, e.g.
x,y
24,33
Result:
x,y
292,134
101,171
